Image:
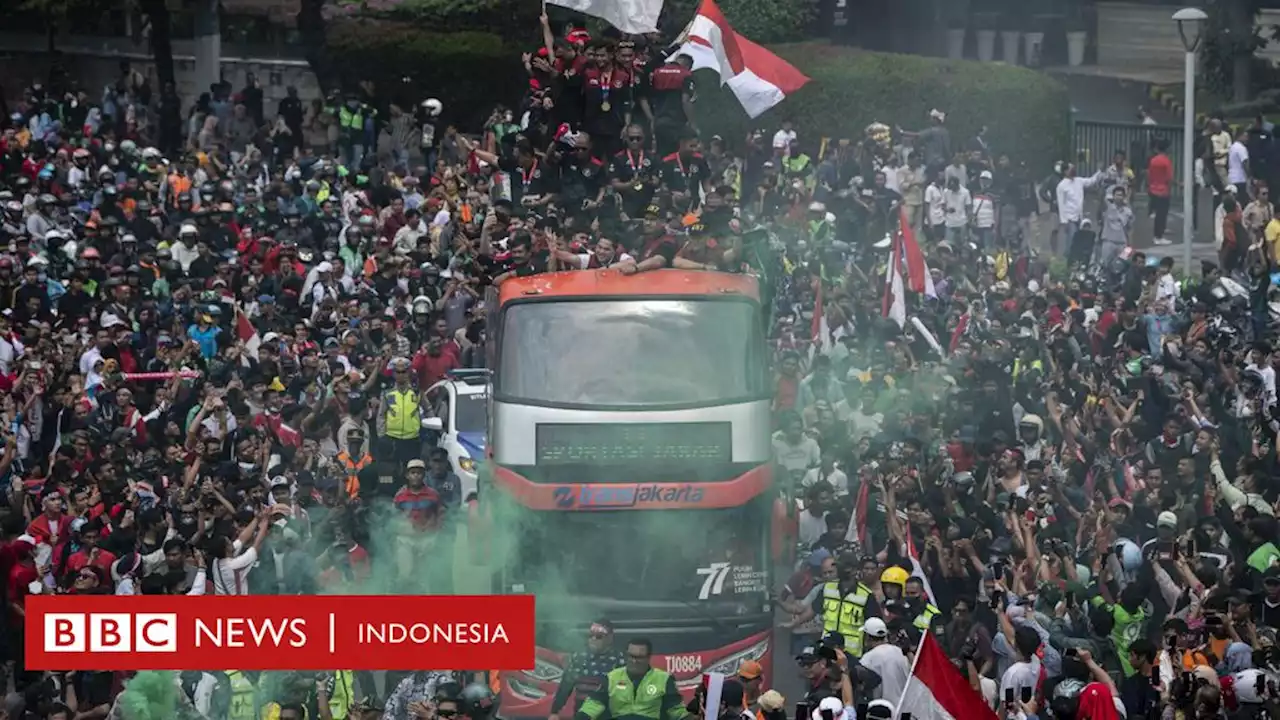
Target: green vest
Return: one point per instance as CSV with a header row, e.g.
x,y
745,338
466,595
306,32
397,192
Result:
x,y
351,120
925,619
341,697
644,701
1263,557
402,420
243,697
846,614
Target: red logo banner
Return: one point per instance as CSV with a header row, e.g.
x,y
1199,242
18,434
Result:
x,y
279,632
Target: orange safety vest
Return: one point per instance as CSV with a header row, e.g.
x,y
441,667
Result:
x,y
178,184
353,471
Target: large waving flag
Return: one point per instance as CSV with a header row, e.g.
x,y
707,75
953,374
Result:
x,y
630,16
906,251
756,76
937,690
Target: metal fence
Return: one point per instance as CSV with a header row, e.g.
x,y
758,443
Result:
x,y
1094,143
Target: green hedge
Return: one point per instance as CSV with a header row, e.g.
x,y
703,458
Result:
x,y
1027,113
470,72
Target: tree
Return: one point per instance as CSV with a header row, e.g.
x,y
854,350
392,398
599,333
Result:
x,y
161,36
1231,39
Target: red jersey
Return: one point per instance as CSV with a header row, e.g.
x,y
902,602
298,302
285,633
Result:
x,y
97,557
50,532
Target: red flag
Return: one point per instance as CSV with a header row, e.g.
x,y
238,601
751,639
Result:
x,y
757,77
918,277
937,690
247,334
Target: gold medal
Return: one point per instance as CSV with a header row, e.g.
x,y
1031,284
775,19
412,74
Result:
x,y
605,106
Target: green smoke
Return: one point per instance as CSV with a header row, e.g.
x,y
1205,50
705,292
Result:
x,y
149,695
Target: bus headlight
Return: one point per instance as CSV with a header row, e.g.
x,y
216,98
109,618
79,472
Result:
x,y
729,665
467,464
544,671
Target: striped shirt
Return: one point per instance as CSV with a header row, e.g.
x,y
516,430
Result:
x,y
421,506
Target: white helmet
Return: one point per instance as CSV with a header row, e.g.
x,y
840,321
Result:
x,y
433,107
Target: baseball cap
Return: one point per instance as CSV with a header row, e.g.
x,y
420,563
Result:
x,y
808,654
750,670
416,465
875,627
1167,519
1272,575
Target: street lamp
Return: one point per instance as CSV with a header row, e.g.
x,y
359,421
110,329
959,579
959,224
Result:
x,y
1190,24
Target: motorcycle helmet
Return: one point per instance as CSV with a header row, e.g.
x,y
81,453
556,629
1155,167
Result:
x,y
477,702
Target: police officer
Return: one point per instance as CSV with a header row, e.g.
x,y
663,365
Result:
x,y
636,691
845,603
915,593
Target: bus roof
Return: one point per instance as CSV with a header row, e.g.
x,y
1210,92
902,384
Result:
x,y
588,283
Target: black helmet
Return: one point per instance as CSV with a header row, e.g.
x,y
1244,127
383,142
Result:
x,y
477,702
448,690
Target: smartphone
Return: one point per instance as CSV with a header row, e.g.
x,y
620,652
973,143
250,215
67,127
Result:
x,y
1070,598
995,599
1155,677
997,569
1027,693
1008,696
802,711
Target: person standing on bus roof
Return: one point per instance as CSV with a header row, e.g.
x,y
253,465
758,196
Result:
x,y
636,691
587,669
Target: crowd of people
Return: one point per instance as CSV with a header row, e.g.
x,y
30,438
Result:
x,y
215,334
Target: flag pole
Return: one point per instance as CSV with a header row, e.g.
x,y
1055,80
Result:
x,y
897,708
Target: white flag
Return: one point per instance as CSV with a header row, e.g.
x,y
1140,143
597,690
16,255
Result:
x,y
633,17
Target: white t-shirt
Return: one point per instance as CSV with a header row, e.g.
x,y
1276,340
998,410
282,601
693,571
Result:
x,y
1238,156
887,661
783,138
937,208
957,204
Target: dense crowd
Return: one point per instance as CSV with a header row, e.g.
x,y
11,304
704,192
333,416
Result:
x,y
219,328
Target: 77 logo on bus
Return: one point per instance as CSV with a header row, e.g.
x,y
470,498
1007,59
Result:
x,y
714,584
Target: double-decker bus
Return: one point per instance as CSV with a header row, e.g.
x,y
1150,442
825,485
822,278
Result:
x,y
630,469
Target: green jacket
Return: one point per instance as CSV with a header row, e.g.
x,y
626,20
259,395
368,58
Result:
x,y
654,698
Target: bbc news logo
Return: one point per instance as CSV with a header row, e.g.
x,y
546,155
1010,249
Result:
x,y
278,632
111,632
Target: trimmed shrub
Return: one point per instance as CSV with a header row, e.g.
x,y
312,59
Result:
x,y
1027,113
470,72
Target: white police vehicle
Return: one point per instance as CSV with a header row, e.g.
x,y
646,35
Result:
x,y
460,416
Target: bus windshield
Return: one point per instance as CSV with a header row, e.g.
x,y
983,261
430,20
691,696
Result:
x,y
688,557
632,352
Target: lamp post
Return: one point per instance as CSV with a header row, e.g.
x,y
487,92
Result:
x,y
1190,24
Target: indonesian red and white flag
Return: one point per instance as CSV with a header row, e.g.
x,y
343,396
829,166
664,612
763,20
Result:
x,y
937,690
756,76
906,251
634,17
248,334
820,328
